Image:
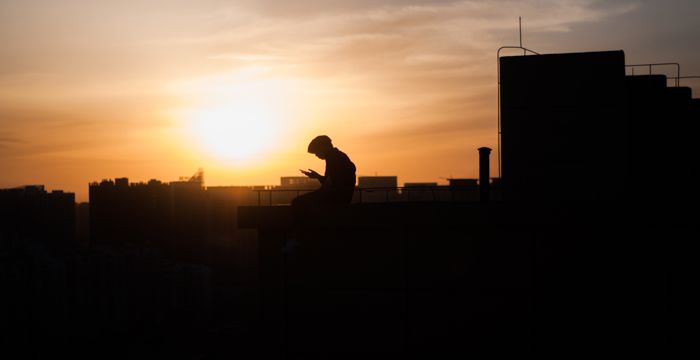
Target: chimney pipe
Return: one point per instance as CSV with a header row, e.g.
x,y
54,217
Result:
x,y
484,194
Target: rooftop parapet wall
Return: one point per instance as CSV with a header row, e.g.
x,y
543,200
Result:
x,y
411,215
370,216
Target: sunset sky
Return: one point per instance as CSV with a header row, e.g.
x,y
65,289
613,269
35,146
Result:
x,y
95,89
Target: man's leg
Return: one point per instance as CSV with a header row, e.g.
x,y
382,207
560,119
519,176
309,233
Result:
x,y
312,199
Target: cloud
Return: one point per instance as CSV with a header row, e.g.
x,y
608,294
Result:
x,y
412,64
314,8
394,34
8,139
245,57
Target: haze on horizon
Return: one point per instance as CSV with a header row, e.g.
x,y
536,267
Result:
x,y
101,89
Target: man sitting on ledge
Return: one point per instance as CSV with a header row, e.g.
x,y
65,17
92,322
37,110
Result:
x,y
338,183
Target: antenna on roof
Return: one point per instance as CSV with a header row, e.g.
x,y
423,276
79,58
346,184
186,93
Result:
x,y
520,31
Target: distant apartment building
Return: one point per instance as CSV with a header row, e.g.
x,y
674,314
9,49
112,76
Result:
x,y
291,187
420,184
30,213
130,214
182,219
299,182
377,181
377,189
422,191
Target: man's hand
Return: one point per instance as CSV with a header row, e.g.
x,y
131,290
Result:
x,y
312,174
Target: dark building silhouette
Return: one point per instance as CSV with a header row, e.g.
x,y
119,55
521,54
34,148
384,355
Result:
x,y
31,214
422,191
233,248
376,189
563,126
290,187
123,214
577,132
167,264
37,232
464,189
377,181
420,184
183,218
299,182
82,224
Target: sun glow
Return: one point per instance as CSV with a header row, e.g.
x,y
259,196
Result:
x,y
237,131
239,119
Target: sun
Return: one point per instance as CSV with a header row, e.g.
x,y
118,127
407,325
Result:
x,y
237,131
239,121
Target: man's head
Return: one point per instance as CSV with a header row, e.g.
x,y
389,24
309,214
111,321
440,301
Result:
x,y
320,146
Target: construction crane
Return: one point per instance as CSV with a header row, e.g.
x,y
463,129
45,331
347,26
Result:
x,y
198,177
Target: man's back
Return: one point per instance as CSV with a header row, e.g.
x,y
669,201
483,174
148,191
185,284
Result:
x,y
340,177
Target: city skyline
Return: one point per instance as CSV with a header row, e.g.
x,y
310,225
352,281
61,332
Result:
x,y
407,88
570,251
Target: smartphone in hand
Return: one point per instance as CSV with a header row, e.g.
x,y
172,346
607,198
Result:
x,y
311,173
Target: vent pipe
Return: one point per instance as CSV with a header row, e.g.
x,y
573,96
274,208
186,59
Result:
x,y
484,171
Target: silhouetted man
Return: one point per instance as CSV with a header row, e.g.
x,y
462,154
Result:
x,y
338,183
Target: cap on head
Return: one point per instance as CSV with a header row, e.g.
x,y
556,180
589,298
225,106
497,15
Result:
x,y
320,144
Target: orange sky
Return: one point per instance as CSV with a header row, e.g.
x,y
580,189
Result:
x,y
92,90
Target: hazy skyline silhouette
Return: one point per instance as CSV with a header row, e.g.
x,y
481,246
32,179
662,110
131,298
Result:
x,y
91,91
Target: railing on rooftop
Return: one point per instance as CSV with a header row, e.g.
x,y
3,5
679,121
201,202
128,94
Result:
x,y
678,78
651,67
386,194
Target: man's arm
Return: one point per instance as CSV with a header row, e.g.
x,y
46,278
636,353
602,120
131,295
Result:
x,y
314,175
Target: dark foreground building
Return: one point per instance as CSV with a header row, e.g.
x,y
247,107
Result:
x,y
577,133
582,257
30,214
37,231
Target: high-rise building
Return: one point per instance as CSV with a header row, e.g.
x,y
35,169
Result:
x,y
30,213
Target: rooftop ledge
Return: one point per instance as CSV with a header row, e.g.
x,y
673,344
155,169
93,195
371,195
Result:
x,y
372,215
